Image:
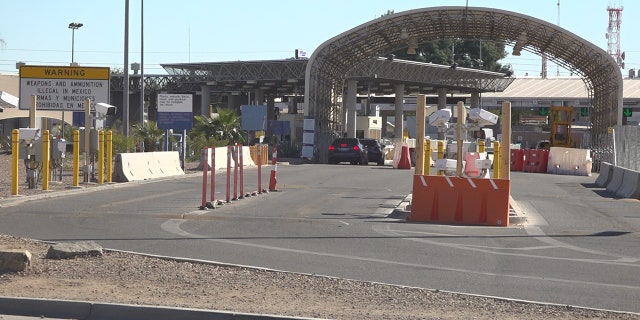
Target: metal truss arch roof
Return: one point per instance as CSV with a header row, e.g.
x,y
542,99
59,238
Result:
x,y
328,63
426,77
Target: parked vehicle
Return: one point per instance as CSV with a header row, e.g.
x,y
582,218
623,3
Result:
x,y
348,150
376,152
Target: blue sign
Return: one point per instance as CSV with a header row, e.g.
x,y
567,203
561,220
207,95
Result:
x,y
78,119
254,118
175,111
175,120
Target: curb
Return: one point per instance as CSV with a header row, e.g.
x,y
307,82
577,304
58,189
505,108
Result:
x,y
67,309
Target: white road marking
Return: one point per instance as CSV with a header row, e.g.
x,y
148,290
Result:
x,y
174,226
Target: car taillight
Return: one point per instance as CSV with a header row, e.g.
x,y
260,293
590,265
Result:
x,y
331,148
343,145
356,148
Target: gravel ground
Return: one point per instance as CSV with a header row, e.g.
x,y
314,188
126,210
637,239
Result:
x,y
121,277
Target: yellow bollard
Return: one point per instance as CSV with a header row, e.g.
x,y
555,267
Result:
x,y
76,158
15,151
109,155
427,158
46,142
440,155
497,158
100,157
481,146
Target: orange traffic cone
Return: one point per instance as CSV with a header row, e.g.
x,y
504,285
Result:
x,y
405,162
274,169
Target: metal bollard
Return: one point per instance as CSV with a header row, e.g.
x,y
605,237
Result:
x,y
427,158
440,155
15,155
497,158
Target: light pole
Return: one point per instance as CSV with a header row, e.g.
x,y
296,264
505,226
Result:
x,y
73,26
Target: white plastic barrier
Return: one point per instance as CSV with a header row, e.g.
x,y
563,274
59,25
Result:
x,y
616,179
569,161
630,187
146,165
606,170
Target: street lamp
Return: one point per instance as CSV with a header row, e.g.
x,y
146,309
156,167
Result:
x,y
73,26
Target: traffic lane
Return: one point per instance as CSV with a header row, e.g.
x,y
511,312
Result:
x,y
576,211
355,259
507,263
336,244
118,217
527,266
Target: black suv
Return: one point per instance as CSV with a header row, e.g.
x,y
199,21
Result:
x,y
347,150
375,151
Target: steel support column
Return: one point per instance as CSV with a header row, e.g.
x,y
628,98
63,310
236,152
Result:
x,y
352,90
399,111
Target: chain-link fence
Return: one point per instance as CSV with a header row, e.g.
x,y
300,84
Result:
x,y
627,147
621,147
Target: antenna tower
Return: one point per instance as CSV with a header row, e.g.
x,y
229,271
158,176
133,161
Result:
x,y
613,34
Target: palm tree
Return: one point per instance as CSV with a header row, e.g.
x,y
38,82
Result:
x,y
225,126
150,134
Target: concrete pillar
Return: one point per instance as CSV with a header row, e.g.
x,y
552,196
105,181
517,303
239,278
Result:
x,y
399,112
271,104
384,124
442,104
352,92
442,98
475,99
259,94
205,100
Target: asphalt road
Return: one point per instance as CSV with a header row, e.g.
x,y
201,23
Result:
x,y
579,247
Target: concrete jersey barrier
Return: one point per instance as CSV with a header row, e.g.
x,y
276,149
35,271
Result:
x,y
606,170
146,165
630,187
616,180
221,158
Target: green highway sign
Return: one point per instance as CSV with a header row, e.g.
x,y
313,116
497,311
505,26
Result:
x,y
627,112
584,111
543,111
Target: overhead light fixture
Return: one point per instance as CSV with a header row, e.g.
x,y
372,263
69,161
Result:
x,y
252,81
413,45
292,80
404,34
520,43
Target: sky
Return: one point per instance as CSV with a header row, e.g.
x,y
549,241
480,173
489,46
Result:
x,y
36,31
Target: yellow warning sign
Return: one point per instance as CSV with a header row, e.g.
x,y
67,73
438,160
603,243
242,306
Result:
x,y
42,72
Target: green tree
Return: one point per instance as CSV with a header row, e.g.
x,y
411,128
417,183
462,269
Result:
x,y
464,53
225,126
149,134
221,130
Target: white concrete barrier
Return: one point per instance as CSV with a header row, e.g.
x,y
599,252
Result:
x,y
146,165
569,161
606,170
630,187
221,158
616,179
